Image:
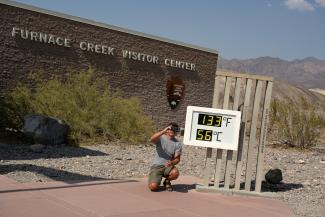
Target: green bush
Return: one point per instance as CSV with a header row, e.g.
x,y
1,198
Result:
x,y
296,124
86,103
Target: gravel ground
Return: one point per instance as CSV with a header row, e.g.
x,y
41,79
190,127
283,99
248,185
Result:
x,y
302,188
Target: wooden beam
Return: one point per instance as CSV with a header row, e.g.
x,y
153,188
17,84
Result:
x,y
207,168
252,135
219,159
242,133
242,75
265,119
215,101
230,152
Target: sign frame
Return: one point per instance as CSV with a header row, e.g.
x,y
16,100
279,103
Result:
x,y
190,126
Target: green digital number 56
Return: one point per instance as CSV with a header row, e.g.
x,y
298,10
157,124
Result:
x,y
205,135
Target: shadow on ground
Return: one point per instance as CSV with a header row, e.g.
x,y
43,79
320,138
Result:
x,y
54,174
182,188
107,182
23,152
281,187
268,187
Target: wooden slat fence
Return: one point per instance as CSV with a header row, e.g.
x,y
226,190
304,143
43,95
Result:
x,y
236,170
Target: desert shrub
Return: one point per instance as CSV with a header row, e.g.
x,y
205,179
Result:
x,y
86,104
296,124
12,111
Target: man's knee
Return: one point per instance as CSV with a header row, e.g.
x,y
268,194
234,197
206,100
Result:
x,y
153,186
173,174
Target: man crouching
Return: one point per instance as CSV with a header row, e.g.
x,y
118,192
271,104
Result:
x,y
168,154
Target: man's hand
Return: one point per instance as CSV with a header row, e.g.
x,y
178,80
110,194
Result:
x,y
168,164
155,137
165,130
174,161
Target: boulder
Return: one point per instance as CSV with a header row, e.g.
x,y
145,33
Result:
x,y
46,130
274,176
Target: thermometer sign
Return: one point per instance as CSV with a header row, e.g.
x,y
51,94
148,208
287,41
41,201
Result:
x,y
214,128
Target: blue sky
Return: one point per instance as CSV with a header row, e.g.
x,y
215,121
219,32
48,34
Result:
x,y
288,29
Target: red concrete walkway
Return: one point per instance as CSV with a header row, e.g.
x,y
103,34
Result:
x,y
126,198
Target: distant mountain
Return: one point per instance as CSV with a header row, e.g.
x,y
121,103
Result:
x,y
284,90
307,73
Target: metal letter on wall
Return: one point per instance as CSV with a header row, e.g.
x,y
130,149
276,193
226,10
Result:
x,y
175,91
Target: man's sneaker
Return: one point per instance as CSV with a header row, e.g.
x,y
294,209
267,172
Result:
x,y
168,185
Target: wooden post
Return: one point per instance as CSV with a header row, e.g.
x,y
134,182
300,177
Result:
x,y
265,120
252,136
207,168
230,152
219,151
242,133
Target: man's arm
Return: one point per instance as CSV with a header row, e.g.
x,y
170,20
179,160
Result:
x,y
174,161
156,136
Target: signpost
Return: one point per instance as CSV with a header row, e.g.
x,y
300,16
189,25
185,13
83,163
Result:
x,y
213,128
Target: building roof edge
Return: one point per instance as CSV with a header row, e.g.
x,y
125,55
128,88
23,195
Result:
x,y
99,24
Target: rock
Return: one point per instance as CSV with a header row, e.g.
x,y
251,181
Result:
x,y
274,176
301,161
46,130
2,145
37,148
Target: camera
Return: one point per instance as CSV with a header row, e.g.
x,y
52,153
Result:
x,y
175,129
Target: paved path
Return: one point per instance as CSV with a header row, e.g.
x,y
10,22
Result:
x,y
126,198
